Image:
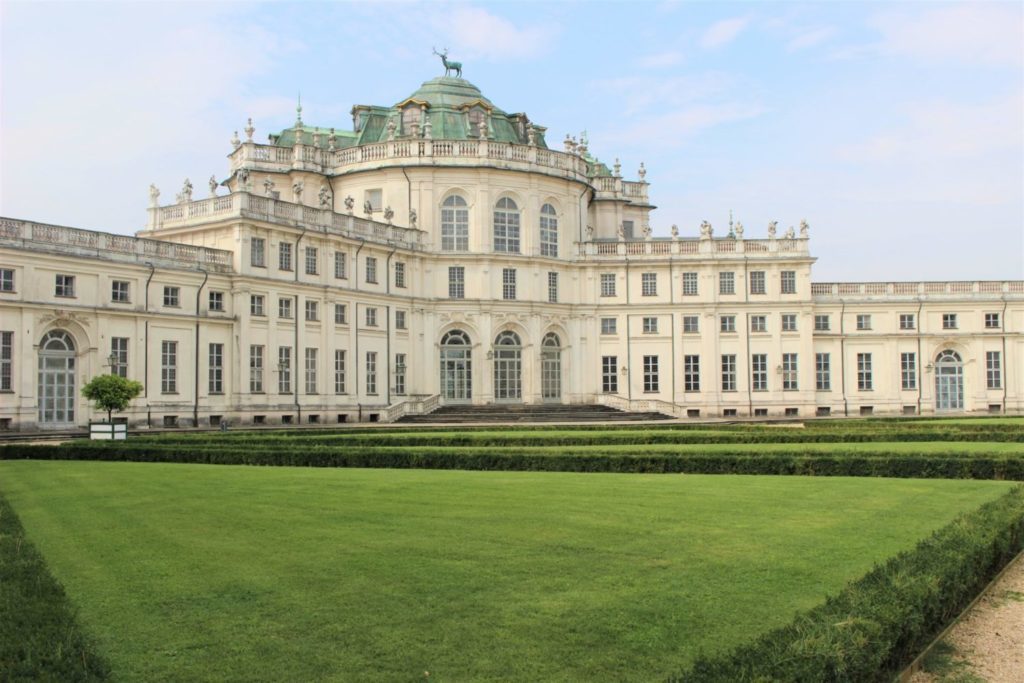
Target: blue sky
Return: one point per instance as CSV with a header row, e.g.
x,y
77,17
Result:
x,y
895,129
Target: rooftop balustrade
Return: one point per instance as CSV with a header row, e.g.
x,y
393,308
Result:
x,y
985,288
599,250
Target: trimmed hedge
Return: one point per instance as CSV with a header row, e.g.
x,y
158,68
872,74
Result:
x,y
876,626
40,638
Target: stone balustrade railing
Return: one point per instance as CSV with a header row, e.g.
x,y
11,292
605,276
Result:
x,y
644,405
412,406
88,243
914,289
428,152
245,205
696,248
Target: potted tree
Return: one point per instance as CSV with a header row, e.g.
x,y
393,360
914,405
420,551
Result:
x,y
110,393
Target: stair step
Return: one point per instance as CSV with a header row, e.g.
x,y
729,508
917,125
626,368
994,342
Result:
x,y
542,412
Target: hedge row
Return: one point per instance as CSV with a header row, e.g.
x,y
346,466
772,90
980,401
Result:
x,y
40,639
879,623
851,464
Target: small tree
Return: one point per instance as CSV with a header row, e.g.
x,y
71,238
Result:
x,y
111,392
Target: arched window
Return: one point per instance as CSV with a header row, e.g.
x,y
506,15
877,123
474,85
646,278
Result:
x,y
456,367
508,367
548,231
454,224
57,391
506,226
58,340
551,368
949,381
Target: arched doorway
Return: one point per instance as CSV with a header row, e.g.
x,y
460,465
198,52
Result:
x,y
456,367
508,367
56,379
551,368
949,381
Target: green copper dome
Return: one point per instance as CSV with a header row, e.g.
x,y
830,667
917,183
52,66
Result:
x,y
450,93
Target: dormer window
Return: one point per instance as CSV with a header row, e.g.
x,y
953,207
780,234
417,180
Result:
x,y
476,117
411,120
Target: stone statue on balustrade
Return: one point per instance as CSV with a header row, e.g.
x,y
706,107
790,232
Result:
x,y
185,196
213,185
388,214
772,229
706,230
349,204
646,229
243,180
790,233
675,231
590,233
412,218
621,232
154,195
297,190
368,208
805,229
268,187
391,129
235,142
325,197
531,136
739,230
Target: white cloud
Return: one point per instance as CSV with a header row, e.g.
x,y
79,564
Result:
x,y
483,34
977,33
660,60
680,125
810,38
724,32
640,94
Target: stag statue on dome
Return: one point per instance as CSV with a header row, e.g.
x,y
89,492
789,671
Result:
x,y
449,67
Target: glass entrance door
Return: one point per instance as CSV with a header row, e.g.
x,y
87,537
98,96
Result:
x,y
949,382
456,368
551,369
57,380
508,367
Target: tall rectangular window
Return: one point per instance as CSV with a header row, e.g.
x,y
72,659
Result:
x,y
339,372
649,284
119,356
949,321
371,270
609,325
284,256
312,256
340,314
508,283
284,308
371,372
172,297
994,369
371,317
757,282
553,288
650,374
650,325
691,324
822,323
119,291
758,323
340,265
863,321
6,361
311,370
216,370
789,322
789,282
255,369
169,367
456,282
6,280
607,284
399,275
400,374
691,373
727,323
609,374
627,229
865,378
789,372
907,321
284,370
908,371
312,311
823,372
992,321
258,252
729,372
759,372
399,320
727,283
689,284
256,304
64,286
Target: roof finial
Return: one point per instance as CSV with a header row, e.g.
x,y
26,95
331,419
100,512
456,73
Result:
x,y
298,112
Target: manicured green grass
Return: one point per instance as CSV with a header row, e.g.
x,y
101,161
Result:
x,y
191,572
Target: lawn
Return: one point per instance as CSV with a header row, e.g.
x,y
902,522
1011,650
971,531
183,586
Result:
x,y
193,572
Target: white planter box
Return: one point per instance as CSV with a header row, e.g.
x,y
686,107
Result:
x,y
106,431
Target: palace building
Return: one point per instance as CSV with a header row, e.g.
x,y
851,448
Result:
x,y
445,251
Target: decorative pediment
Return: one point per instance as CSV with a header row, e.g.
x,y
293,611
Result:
x,y
477,103
61,317
412,100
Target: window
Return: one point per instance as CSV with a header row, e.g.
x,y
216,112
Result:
x,y
691,373
340,314
506,226
339,372
172,297
284,308
216,301
216,371
650,325
340,265
863,321
789,322
729,372
255,369
399,275
949,321
312,311
284,256
650,374
727,323
375,198
311,259
119,356
456,282
400,374
758,323
607,284
691,324
908,371
168,367
789,372
6,280
865,381
907,321
119,291
627,229
371,270
649,284
759,372
789,282
256,302
371,317
727,283
553,288
65,286
689,284
609,374
311,371
6,361
822,323
508,283
993,370
371,372
822,372
992,321
757,282
399,320
258,252
609,325
454,224
284,370
548,231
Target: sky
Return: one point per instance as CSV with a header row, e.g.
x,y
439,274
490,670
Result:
x,y
895,129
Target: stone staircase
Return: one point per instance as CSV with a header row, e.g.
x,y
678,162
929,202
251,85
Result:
x,y
542,412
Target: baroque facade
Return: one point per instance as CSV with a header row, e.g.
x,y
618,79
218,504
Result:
x,y
442,251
